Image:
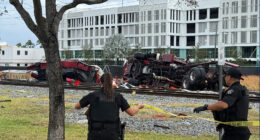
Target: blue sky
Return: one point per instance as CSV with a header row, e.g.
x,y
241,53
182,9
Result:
x,y
13,29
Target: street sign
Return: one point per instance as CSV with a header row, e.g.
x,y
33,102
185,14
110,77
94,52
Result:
x,y
221,55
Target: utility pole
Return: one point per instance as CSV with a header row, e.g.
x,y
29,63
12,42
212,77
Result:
x,y
215,51
221,63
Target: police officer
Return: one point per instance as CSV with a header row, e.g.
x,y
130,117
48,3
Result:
x,y
103,114
232,107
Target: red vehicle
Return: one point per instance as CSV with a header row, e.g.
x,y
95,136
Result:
x,y
70,69
166,71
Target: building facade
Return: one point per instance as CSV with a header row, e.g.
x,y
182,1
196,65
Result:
x,y
15,56
166,24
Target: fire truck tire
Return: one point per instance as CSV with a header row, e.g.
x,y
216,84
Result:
x,y
186,83
195,75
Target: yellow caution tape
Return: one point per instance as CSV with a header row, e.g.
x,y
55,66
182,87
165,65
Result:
x,y
233,123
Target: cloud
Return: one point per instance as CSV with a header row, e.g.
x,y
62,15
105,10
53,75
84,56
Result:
x,y
13,29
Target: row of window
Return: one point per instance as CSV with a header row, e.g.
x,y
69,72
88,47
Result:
x,y
244,7
243,37
191,14
244,22
18,52
135,29
230,52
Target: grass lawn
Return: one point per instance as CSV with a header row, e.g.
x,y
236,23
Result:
x,y
27,118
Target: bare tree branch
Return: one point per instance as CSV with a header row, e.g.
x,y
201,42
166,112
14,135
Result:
x,y
75,3
38,14
25,15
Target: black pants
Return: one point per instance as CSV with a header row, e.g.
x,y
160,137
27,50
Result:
x,y
103,135
227,136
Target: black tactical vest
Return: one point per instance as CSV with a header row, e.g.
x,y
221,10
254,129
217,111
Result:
x,y
104,113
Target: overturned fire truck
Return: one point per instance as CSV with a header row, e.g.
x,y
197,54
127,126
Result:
x,y
165,71
76,70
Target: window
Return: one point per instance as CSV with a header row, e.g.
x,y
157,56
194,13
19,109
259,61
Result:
x,y
18,65
244,6
142,41
156,41
248,52
243,21
213,26
212,39
143,28
96,31
156,16
149,15
136,40
137,29
235,7
213,13
223,8
176,52
253,36
25,65
78,54
156,27
243,37
191,28
86,32
102,31
190,41
18,52
149,41
96,42
225,37
225,23
234,22
233,37
202,27
26,53
231,52
254,5
203,40
102,41
98,53
253,21
149,27
227,8
177,40
202,14
107,31
163,40
172,41
3,52
163,27
91,32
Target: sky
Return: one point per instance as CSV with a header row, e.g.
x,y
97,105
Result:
x,y
13,30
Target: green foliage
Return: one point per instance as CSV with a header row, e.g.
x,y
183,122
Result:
x,y
19,44
29,44
116,47
87,52
138,48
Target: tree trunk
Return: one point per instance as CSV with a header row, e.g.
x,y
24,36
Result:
x,y
56,129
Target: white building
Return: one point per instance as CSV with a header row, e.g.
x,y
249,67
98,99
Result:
x,y
156,24
14,56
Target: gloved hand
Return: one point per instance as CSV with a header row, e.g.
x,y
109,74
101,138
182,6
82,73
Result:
x,y
201,108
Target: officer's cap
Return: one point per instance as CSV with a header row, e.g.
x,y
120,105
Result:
x,y
235,73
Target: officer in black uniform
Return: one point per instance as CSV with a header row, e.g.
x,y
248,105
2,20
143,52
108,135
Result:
x,y
103,114
232,107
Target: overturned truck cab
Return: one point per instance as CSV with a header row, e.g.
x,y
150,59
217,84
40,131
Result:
x,y
76,70
165,71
